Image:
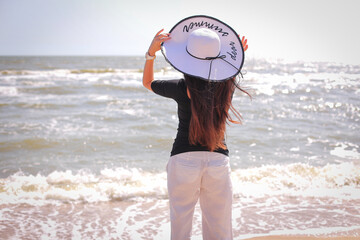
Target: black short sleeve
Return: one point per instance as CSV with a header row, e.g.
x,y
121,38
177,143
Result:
x,y
167,88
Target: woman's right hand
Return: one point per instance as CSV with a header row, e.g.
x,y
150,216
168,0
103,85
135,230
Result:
x,y
156,42
244,43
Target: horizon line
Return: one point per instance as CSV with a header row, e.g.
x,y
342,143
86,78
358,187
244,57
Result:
x,y
251,58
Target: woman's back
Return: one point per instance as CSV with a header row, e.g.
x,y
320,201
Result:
x,y
177,90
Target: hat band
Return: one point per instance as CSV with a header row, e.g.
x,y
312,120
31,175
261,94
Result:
x,y
222,57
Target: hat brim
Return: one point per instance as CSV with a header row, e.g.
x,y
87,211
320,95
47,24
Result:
x,y
230,59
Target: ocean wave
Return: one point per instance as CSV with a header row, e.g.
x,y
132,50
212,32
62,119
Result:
x,y
8,91
341,181
106,70
283,66
265,82
70,81
13,72
28,144
332,180
94,71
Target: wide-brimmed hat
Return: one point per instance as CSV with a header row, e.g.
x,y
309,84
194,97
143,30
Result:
x,y
204,47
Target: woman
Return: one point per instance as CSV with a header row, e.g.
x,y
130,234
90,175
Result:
x,y
210,54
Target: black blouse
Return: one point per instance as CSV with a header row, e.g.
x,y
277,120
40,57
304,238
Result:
x,y
176,89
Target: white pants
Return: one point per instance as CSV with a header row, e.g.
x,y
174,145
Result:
x,y
204,175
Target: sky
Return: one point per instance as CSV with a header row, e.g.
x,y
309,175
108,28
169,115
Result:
x,y
291,30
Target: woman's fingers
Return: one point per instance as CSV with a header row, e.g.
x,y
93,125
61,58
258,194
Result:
x,y
166,39
159,32
244,40
163,37
244,43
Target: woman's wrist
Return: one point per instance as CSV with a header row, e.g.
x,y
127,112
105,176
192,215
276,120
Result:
x,y
149,57
151,54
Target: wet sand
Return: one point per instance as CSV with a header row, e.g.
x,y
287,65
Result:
x,y
126,220
304,238
348,235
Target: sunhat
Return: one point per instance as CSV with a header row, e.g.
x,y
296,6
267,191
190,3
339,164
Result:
x,y
204,47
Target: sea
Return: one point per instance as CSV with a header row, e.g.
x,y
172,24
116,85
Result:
x,y
84,147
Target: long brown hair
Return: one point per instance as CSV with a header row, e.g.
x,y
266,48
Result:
x,y
210,105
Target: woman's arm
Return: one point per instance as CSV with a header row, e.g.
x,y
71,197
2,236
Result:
x,y
148,74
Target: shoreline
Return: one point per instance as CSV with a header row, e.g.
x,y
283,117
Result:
x,y
340,235
302,237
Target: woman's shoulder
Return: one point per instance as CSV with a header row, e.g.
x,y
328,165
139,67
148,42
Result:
x,y
173,88
169,81
182,87
181,90
181,83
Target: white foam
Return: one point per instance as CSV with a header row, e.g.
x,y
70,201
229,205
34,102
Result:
x,y
340,181
346,150
131,83
8,91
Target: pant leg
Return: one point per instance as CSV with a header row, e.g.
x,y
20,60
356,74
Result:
x,y
183,175
216,198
